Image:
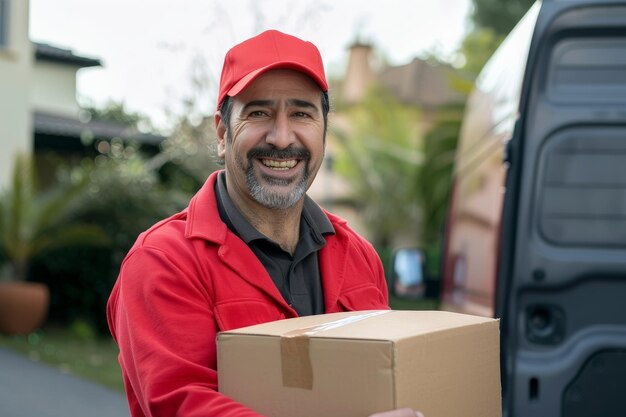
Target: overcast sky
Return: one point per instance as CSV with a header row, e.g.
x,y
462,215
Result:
x,y
150,49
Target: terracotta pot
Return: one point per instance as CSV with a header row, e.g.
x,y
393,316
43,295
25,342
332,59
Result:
x,y
23,306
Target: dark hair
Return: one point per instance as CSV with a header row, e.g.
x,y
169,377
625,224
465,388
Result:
x,y
226,109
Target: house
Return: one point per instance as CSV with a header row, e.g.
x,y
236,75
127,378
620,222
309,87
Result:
x,y
16,67
61,130
39,113
420,83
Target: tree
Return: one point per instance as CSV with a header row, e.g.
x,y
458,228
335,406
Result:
x,y
434,178
380,158
188,155
117,112
493,20
477,48
499,15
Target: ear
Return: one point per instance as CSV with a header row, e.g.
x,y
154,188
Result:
x,y
220,130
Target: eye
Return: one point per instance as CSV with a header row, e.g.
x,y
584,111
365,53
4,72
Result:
x,y
257,113
301,114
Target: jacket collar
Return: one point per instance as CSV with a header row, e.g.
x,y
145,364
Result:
x,y
202,214
203,221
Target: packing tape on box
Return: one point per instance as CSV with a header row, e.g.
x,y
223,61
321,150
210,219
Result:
x,y
294,349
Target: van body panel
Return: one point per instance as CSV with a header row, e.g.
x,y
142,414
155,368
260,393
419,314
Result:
x,y
474,218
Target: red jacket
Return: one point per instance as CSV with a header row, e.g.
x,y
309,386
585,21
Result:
x,y
189,277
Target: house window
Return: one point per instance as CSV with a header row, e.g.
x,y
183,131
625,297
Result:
x,y
4,23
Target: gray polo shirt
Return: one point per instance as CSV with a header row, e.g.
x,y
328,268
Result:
x,y
297,277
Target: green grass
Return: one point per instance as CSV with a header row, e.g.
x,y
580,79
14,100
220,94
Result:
x,y
87,357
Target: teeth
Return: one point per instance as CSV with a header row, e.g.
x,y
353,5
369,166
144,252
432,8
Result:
x,y
279,165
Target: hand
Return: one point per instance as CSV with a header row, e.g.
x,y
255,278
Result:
x,y
402,412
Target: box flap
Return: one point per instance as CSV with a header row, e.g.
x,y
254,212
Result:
x,y
391,325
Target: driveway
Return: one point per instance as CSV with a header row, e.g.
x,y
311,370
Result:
x,y
29,389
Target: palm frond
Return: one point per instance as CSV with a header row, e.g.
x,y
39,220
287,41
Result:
x,y
32,221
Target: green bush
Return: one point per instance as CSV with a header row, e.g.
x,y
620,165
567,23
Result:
x,y
124,197
80,280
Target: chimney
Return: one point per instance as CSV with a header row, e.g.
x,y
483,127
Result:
x,y
359,74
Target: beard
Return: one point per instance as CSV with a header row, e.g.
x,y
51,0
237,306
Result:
x,y
266,194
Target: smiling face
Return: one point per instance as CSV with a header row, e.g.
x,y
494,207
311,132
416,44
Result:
x,y
275,142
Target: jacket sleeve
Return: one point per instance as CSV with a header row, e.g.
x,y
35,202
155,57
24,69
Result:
x,y
376,266
381,280
161,316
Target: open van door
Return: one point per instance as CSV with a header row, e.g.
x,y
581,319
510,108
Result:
x,y
540,240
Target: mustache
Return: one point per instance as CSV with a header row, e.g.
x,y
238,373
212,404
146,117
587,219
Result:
x,y
273,153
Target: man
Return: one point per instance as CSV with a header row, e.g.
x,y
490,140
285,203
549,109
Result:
x,y
250,248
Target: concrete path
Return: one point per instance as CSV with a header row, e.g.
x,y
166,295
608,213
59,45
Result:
x,y
29,389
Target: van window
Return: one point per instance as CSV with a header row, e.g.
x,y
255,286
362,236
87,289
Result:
x,y
582,188
493,105
584,70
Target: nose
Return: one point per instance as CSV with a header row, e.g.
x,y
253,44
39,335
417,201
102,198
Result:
x,y
281,134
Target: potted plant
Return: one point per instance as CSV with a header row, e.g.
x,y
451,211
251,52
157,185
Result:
x,y
31,223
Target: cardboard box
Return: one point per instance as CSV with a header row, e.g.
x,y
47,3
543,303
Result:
x,y
358,363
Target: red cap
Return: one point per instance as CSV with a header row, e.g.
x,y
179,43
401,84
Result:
x,y
269,50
